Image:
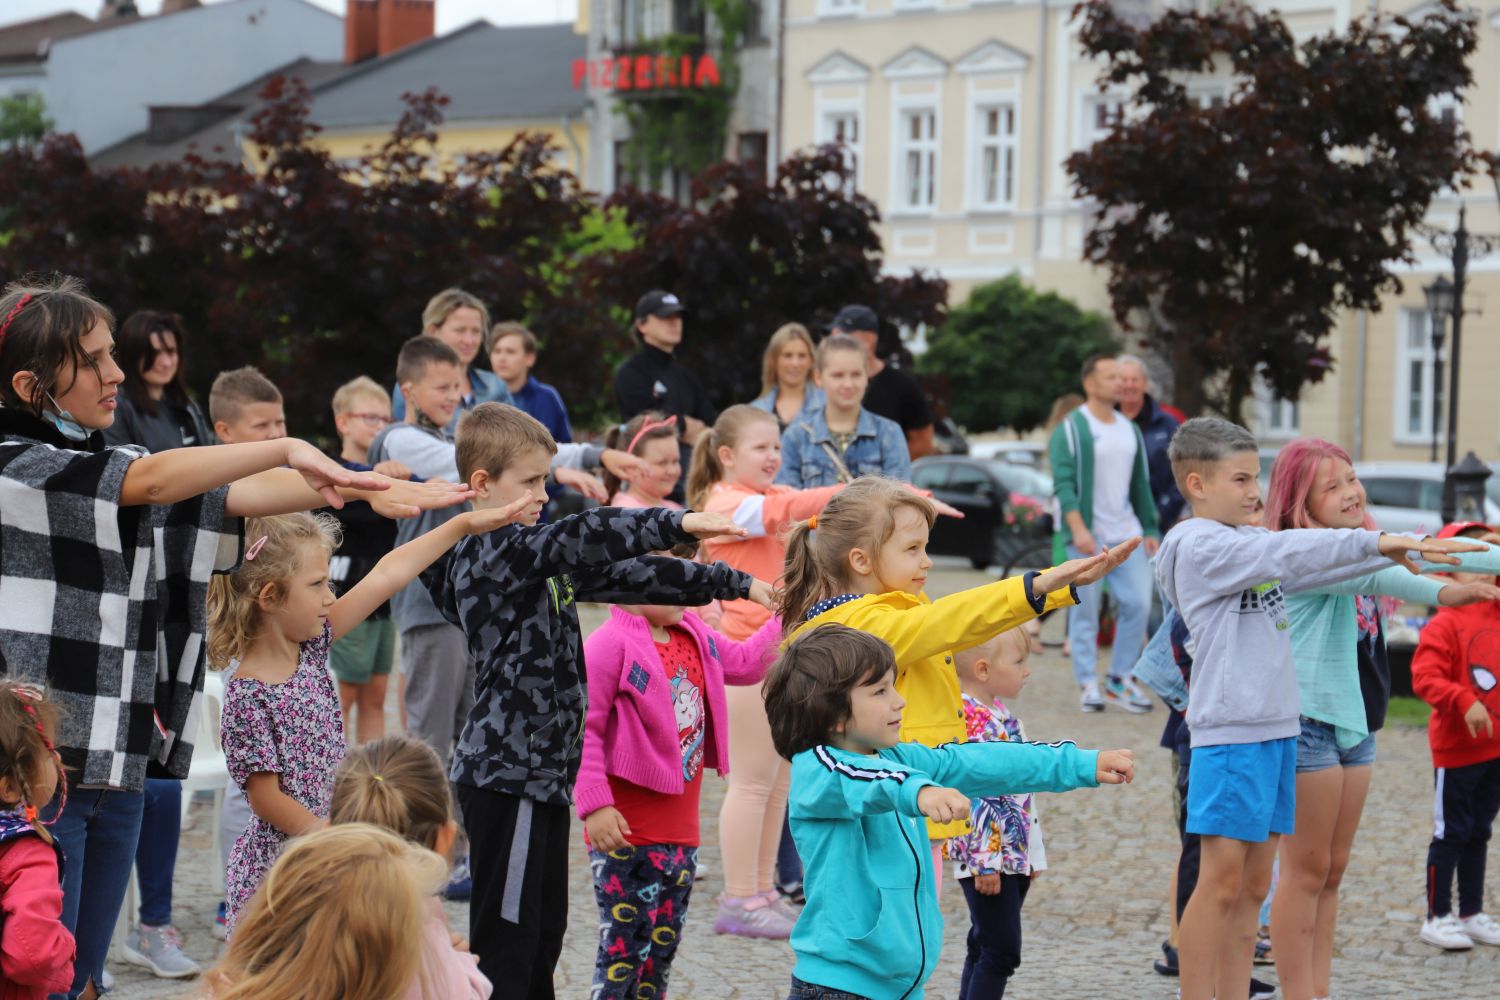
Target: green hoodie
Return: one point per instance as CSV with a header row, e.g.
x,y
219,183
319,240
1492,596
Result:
x,y
871,925
1070,453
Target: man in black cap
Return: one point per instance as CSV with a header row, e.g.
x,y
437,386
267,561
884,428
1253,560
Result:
x,y
892,393
651,379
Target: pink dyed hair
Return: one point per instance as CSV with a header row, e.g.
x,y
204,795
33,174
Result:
x,y
1292,478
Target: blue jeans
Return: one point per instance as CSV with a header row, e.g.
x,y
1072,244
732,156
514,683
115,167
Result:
x,y
1130,592
98,833
156,855
808,991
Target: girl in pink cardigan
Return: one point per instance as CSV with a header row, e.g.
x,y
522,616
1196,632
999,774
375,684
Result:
x,y
656,719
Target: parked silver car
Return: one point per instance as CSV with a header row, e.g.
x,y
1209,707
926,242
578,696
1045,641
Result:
x,y
1408,496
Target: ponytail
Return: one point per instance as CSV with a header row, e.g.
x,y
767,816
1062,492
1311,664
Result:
x,y
397,783
705,469
802,584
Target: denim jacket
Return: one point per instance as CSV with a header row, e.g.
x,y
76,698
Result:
x,y
812,401
877,449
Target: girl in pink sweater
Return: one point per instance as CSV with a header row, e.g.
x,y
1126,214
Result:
x,y
398,783
656,720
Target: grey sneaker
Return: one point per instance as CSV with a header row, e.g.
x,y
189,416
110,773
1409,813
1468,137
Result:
x,y
160,950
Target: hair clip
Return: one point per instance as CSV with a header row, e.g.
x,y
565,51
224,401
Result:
x,y
378,777
255,547
812,523
14,311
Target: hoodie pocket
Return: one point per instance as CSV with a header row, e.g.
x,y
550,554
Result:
x,y
894,948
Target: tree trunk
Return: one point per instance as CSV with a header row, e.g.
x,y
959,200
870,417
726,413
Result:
x,y
1188,391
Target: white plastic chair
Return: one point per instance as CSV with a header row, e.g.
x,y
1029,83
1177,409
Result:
x,y
208,771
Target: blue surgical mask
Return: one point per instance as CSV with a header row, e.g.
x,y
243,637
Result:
x,y
67,425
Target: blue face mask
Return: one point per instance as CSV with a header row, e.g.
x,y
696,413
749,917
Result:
x,y
66,424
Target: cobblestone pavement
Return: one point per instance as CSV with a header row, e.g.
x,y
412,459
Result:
x,y
1093,923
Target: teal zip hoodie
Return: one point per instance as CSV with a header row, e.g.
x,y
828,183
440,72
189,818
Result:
x,y
871,925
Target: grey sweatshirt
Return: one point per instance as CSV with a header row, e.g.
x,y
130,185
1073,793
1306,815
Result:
x,y
1230,586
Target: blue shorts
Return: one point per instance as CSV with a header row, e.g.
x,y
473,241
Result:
x,y
1318,748
1246,791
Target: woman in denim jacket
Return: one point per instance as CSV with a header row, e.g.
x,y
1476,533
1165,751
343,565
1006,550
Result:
x,y
843,441
786,378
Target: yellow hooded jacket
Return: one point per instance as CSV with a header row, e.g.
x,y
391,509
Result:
x,y
925,634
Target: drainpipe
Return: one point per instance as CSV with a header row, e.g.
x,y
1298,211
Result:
x,y
1361,348
567,130
1041,128
778,83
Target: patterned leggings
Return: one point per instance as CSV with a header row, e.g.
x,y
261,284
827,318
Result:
x,y
643,897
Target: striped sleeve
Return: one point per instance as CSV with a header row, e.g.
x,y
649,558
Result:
x,y
831,785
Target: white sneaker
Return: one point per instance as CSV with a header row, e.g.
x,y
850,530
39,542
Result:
x,y
1481,928
1446,932
160,950
1089,700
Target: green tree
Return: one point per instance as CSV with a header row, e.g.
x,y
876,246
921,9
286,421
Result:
x,y
23,120
1009,351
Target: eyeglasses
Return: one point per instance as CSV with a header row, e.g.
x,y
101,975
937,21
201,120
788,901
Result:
x,y
378,419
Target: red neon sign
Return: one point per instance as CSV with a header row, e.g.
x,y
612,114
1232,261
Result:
x,y
657,72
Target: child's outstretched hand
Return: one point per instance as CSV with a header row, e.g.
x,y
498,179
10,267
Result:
x,y
762,593
397,499
1085,570
607,829
1115,767
1400,549
590,486
624,465
1456,595
943,805
477,522
1477,718
701,525
325,475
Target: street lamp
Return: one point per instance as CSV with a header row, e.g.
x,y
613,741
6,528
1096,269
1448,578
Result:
x,y
1439,308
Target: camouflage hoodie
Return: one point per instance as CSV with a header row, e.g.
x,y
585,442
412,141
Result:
x,y
512,591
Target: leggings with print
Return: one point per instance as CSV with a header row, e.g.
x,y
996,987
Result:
x,y
643,897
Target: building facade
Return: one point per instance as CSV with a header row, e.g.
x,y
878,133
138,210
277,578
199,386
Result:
x,y
958,116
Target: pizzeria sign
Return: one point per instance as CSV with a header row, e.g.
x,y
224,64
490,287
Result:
x,y
646,72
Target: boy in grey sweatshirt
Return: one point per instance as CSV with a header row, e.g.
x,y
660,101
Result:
x,y
1229,582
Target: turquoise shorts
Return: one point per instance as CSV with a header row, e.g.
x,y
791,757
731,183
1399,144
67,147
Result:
x,y
1246,791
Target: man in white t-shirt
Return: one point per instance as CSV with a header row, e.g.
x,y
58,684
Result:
x,y
1103,490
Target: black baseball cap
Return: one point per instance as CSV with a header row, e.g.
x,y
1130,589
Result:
x,y
851,318
658,303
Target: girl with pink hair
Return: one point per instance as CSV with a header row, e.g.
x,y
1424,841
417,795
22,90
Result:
x,y
1338,644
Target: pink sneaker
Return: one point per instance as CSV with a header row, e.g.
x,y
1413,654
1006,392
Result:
x,y
752,917
782,905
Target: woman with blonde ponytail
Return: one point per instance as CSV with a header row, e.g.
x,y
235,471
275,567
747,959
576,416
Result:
x,y
398,783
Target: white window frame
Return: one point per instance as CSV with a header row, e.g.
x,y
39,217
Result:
x,y
901,146
1088,132
1276,419
980,105
1409,322
828,112
840,8
902,5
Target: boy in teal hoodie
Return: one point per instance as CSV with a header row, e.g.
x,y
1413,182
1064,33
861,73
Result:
x,y
871,929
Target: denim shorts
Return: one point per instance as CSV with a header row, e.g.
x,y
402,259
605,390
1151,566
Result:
x,y
1318,749
807,991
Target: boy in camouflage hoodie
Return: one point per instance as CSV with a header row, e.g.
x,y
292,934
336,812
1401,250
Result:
x,y
512,592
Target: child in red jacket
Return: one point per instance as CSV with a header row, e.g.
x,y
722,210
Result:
x,y
36,950
1454,671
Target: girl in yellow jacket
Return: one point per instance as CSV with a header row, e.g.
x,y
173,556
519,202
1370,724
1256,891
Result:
x,y
863,562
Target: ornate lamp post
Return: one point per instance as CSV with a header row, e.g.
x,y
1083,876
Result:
x,y
1456,246
1439,307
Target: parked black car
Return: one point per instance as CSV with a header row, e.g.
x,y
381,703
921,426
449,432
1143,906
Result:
x,y
986,490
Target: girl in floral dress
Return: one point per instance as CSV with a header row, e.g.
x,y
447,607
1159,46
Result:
x,y
272,621
1003,852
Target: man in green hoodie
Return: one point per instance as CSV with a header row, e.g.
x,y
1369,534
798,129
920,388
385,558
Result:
x,y
1103,490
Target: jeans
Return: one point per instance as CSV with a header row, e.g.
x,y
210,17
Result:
x,y
98,832
1130,590
788,862
807,991
156,854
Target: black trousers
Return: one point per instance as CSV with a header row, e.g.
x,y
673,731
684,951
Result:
x,y
519,910
994,937
1192,846
1466,800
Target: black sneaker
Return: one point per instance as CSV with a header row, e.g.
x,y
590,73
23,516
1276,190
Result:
x,y
1260,990
1167,964
793,893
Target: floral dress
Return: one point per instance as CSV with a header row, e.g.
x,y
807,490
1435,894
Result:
x,y
294,730
1006,837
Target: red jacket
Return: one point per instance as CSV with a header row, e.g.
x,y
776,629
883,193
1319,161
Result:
x,y
36,950
1456,664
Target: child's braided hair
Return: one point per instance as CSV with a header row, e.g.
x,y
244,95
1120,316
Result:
x,y
28,726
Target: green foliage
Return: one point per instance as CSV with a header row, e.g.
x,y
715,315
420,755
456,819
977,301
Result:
x,y
1010,350
23,120
687,129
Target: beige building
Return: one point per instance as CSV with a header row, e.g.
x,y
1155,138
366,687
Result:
x,y
958,115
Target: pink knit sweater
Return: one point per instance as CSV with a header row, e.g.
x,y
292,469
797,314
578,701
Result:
x,y
630,731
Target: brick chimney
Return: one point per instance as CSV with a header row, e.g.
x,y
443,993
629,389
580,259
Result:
x,y
378,27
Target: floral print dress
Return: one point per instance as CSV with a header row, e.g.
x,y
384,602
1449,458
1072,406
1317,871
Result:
x,y
294,730
1006,837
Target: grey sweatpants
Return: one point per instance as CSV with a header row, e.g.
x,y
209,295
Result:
x,y
439,684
